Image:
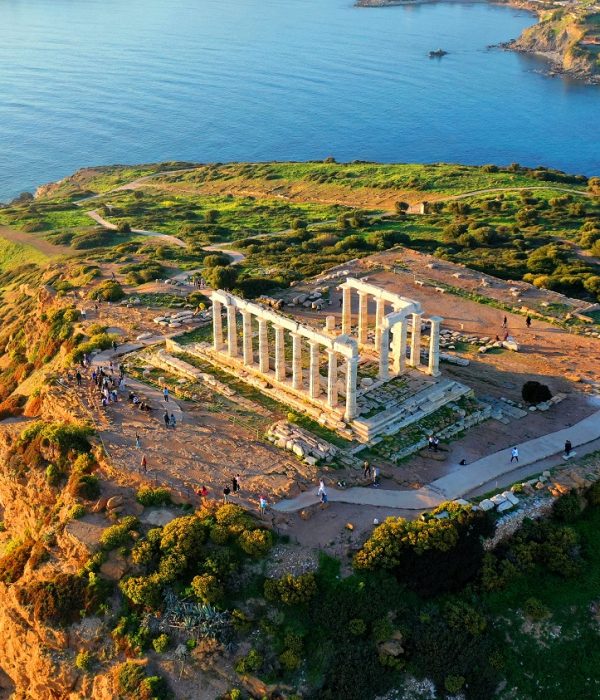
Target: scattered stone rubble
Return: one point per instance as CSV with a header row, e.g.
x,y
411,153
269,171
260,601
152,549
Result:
x,y
302,443
448,340
182,318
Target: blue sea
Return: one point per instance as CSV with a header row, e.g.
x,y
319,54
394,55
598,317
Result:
x,y
90,82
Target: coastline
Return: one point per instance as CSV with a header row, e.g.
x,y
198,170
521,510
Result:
x,y
554,58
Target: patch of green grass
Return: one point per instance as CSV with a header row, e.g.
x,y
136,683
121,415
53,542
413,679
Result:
x,y
14,254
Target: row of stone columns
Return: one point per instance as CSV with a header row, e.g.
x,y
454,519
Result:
x,y
314,377
399,332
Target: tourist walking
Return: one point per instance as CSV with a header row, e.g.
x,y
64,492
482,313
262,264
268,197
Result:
x,y
144,464
436,443
322,489
430,442
202,493
235,484
568,448
504,322
376,477
166,394
138,441
173,421
166,419
78,378
262,505
366,469
514,455
528,321
226,492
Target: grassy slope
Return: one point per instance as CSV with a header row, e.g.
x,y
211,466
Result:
x,y
14,254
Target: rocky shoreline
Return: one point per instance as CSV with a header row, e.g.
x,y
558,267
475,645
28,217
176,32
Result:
x,y
540,40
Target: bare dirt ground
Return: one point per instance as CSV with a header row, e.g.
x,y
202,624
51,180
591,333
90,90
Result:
x,y
45,247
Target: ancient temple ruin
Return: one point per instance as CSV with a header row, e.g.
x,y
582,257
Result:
x,y
374,379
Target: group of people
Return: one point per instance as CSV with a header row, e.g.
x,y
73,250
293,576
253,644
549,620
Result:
x,y
505,326
138,402
433,443
371,472
107,381
234,490
170,420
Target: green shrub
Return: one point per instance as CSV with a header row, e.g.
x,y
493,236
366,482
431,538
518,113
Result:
x,y
454,684
83,661
129,677
207,589
219,534
59,600
154,688
53,475
357,627
535,609
149,496
118,535
289,660
161,643
66,436
184,535
14,561
567,508
291,590
256,543
110,290
77,511
87,486
593,494
249,663
143,590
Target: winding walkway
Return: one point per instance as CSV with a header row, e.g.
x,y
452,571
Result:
x,y
461,481
152,234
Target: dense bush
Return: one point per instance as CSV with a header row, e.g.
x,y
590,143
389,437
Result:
x,y
207,589
86,486
291,590
567,508
13,563
143,590
429,555
110,290
249,663
535,392
139,273
59,600
220,277
256,543
161,643
101,341
149,496
119,534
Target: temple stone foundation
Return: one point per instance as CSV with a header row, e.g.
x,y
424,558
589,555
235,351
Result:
x,y
319,372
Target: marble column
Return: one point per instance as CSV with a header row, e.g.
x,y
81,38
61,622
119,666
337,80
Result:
x,y
415,341
332,372
399,346
384,354
314,376
263,345
434,347
351,378
296,361
247,335
363,317
217,325
347,311
279,353
379,315
232,346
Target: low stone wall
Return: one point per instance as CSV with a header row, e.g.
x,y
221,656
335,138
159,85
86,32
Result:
x,y
301,442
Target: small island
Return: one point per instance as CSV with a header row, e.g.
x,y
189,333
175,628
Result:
x,y
567,35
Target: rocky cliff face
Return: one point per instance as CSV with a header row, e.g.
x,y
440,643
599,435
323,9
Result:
x,y
557,37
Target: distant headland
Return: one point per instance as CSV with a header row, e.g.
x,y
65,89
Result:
x,y
567,35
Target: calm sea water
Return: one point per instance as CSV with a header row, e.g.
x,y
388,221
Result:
x,y
86,82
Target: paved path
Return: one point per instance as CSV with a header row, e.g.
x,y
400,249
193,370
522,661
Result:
x,y
462,480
